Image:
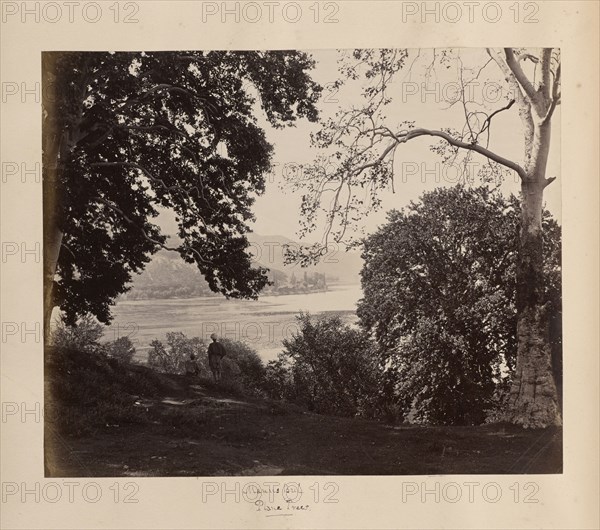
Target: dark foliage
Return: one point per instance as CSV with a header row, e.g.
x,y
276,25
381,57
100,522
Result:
x,y
439,298
328,367
87,392
128,133
242,371
121,349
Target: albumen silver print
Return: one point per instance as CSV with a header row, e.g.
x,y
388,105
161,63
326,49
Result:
x,y
247,253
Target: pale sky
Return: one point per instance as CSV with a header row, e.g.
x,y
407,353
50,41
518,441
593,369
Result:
x,y
277,211
418,97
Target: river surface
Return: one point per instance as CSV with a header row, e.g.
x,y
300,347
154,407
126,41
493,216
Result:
x,y
263,324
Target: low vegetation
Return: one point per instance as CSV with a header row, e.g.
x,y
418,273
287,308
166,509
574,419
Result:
x,y
436,339
434,346
107,417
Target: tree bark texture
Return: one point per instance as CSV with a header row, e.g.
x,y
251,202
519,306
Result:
x,y
533,400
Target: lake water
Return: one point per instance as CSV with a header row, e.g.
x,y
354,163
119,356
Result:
x,y
262,323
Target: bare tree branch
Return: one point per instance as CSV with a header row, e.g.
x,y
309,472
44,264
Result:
x,y
520,76
555,98
415,133
488,121
545,87
464,103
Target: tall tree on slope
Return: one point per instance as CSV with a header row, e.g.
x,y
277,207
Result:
x,y
125,134
362,142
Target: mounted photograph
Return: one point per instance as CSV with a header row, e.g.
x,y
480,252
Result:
x,y
287,262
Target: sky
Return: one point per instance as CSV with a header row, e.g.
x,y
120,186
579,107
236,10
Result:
x,y
419,93
417,168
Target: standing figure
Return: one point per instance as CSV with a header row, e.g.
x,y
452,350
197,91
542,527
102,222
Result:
x,y
216,352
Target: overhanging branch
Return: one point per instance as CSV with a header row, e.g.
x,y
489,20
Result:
x,y
148,175
145,235
415,133
488,120
520,76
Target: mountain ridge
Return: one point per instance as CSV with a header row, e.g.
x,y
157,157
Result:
x,y
168,276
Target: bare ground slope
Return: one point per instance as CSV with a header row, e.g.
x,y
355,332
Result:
x,y
167,425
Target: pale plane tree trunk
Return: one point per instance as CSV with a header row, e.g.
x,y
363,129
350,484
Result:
x,y
52,235
533,400
60,135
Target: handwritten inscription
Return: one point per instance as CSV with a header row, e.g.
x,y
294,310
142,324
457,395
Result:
x,y
261,506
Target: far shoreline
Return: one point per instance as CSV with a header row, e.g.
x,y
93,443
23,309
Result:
x,y
262,324
335,287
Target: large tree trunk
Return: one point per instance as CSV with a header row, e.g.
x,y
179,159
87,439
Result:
x,y
52,234
52,244
60,134
54,150
533,395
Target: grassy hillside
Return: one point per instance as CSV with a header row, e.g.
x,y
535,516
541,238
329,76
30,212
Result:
x,y
108,419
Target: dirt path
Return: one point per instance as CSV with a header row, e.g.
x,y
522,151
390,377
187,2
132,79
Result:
x,y
198,430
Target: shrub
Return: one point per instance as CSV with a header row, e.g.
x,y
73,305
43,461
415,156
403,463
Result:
x,y
243,365
83,336
328,367
278,381
242,370
121,349
171,358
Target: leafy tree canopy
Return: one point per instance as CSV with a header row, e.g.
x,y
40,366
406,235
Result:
x,y
328,366
439,297
358,162
126,134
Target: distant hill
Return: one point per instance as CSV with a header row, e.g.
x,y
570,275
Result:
x,y
168,276
337,265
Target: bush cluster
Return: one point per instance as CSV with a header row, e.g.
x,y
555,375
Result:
x,y
331,368
242,369
93,385
84,336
